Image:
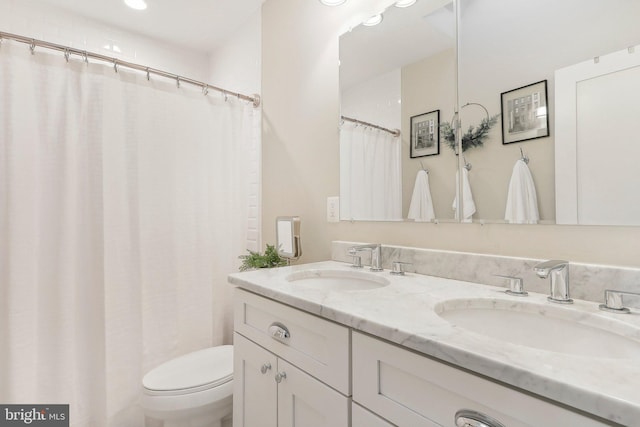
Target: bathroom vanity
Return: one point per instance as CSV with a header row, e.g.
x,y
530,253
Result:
x,y
324,344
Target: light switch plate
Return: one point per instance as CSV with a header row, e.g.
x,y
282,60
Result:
x,y
333,209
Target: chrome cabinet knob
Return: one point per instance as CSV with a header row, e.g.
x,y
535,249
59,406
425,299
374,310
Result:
x,y
266,367
469,418
280,376
279,331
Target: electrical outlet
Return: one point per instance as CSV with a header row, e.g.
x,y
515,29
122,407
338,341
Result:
x,y
333,209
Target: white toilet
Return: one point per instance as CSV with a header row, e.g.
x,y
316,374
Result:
x,y
194,390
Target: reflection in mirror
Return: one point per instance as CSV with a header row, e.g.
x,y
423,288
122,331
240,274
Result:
x,y
288,237
508,44
401,68
598,99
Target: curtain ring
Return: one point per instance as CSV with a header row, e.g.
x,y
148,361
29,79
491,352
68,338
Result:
x,y
85,57
32,47
115,65
178,82
205,89
148,74
67,54
225,96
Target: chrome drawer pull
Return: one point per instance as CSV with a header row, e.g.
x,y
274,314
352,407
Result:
x,y
469,418
264,368
279,331
280,376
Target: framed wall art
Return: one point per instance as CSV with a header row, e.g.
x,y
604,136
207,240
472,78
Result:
x,y
525,113
425,134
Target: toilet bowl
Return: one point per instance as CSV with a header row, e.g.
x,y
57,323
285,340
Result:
x,y
194,390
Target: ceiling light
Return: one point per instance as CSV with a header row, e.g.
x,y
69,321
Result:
x,y
405,3
332,2
136,4
374,20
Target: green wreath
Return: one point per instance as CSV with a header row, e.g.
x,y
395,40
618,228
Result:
x,y
473,137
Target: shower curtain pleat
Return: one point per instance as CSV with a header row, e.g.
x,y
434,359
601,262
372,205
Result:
x,y
370,174
123,206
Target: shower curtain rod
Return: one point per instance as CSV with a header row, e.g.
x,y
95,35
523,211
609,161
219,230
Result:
x,y
394,132
254,99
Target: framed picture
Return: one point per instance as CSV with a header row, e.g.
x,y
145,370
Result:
x,y
524,113
425,134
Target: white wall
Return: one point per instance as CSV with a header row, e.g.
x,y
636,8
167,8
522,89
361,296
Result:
x,y
375,101
301,154
44,22
235,64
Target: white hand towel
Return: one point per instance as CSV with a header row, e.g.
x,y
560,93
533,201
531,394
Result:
x,y
469,206
421,207
522,203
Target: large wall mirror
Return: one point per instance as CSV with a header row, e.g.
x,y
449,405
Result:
x,y
389,74
508,44
508,51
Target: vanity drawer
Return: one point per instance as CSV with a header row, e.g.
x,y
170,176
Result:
x,y
315,345
412,390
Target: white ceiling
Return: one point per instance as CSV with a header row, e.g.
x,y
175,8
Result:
x,y
405,36
196,24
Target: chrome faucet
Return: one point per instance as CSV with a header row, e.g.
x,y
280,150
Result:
x,y
376,254
558,270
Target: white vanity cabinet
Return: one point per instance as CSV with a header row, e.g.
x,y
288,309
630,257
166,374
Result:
x,y
409,389
291,368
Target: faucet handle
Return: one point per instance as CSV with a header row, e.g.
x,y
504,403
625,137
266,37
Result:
x,y
516,286
357,261
397,268
613,301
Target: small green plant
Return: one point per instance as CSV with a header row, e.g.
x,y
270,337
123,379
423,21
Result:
x,y
474,137
269,259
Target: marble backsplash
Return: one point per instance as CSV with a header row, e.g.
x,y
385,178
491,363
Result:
x,y
587,281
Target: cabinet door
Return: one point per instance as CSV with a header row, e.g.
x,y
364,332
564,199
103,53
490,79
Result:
x,y
305,402
360,417
255,391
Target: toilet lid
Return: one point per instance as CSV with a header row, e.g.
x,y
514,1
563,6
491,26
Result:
x,y
200,370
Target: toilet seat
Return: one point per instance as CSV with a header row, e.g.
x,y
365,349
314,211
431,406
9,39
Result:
x,y
196,385
192,373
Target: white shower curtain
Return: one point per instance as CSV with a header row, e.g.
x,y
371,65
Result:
x,y
370,177
123,206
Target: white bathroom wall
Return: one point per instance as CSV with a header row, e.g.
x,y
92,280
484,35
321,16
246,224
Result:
x,y
235,64
44,22
376,100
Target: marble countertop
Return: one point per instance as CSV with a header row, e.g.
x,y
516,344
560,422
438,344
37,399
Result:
x,y
403,313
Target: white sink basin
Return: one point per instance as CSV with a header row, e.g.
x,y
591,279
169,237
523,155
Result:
x,y
542,326
338,280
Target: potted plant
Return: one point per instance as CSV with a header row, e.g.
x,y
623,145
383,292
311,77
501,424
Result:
x,y
269,259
